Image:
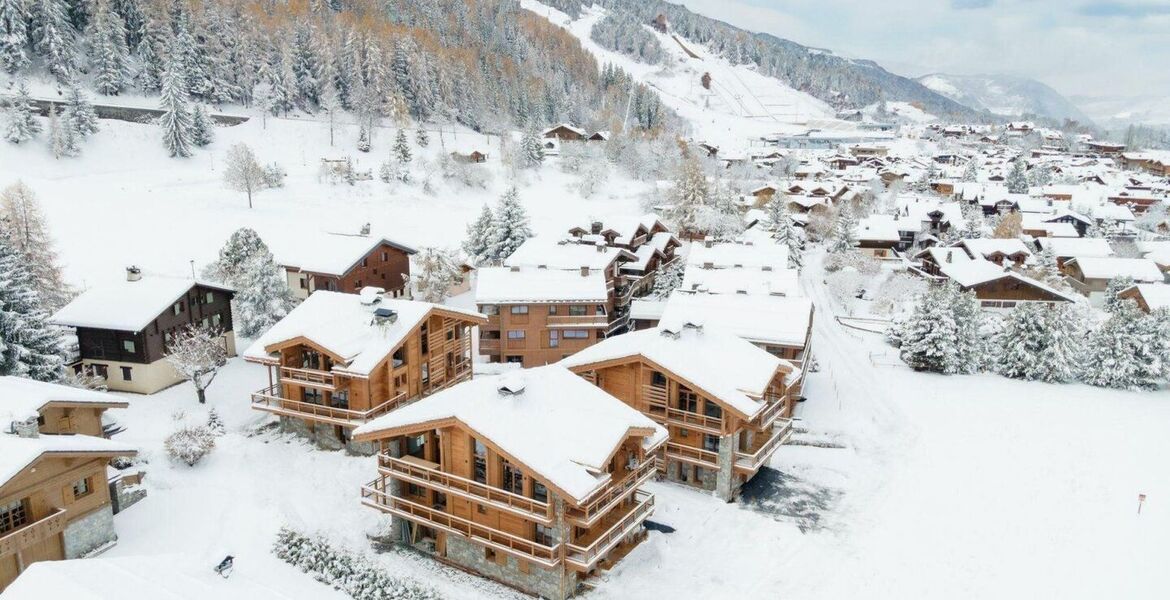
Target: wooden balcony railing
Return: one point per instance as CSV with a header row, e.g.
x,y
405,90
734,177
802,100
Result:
x,y
654,394
577,320
32,533
374,494
751,462
584,557
270,400
415,471
687,419
610,496
771,412
320,379
486,345
695,455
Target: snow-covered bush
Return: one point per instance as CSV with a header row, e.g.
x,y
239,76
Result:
x,y
895,292
344,570
845,286
215,423
862,263
190,444
274,175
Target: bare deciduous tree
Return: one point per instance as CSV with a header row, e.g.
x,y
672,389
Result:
x,y
197,353
244,173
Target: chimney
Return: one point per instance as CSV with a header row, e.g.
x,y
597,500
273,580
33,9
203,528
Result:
x,y
584,271
28,428
600,249
511,384
515,268
595,227
365,229
133,273
708,243
385,316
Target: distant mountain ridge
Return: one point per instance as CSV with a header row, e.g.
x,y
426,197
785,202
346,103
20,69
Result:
x,y
1005,95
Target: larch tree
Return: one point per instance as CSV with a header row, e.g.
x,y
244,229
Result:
x,y
509,226
13,35
20,122
1009,226
176,122
23,225
243,173
477,244
29,345
197,353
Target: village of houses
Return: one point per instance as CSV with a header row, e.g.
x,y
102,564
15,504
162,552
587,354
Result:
x,y
533,428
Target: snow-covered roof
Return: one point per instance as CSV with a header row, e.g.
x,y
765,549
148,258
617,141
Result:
x,y
759,319
346,326
576,130
1156,295
560,254
127,305
648,310
717,362
572,426
333,253
154,577
1142,270
1109,211
1084,247
17,453
878,228
503,285
22,398
723,255
782,282
975,272
984,247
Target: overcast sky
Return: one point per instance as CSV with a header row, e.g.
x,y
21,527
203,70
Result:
x,y
1079,47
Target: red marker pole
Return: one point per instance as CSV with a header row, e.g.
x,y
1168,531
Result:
x,y
1141,500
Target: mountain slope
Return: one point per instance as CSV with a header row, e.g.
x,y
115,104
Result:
x,y
1005,95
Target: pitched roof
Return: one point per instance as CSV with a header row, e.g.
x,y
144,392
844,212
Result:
x,y
22,398
570,426
758,319
560,254
732,254
1156,295
1070,247
17,453
781,282
1142,270
502,285
127,305
334,253
345,326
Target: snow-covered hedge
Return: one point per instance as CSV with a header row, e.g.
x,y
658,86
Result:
x,y
344,570
190,444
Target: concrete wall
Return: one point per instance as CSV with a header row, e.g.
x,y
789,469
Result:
x,y
90,532
144,378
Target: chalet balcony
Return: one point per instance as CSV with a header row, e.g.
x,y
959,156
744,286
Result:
x,y
763,447
698,456
588,321
771,412
311,377
424,473
489,346
33,533
375,495
270,399
596,508
584,554
660,411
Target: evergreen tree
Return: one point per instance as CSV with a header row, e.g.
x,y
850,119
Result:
x,y
1112,291
176,121
202,130
971,171
434,272
531,148
1040,342
402,156
785,233
25,228
20,122
29,345
186,57
151,51
691,194
109,54
53,37
844,231
1125,352
63,140
509,226
363,143
942,334
668,279
262,294
305,66
1017,179
972,222
80,116
421,138
478,241
13,35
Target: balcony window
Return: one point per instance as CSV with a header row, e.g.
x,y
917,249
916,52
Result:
x,y
310,359
311,395
539,492
554,338
416,446
711,443
489,335
399,357
480,456
489,309
576,334
687,400
341,399
712,410
578,310
543,535
513,479
552,309
425,337
13,515
657,378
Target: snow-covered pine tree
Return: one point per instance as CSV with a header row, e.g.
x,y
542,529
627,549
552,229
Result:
x,y
80,116
844,231
970,341
509,226
972,227
720,219
1040,176
363,142
971,170
262,293
63,141
668,279
531,148
151,52
402,156
1112,291
25,228
927,336
187,51
421,137
20,122
202,130
478,241
1040,342
1017,179
784,232
435,271
109,56
1123,352
176,121
305,64
13,35
690,195
241,246
53,37
29,345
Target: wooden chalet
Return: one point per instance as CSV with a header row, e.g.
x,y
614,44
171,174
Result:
x,y
54,499
50,408
1091,275
1104,148
339,360
1148,296
997,287
727,404
123,329
338,262
532,478
474,157
565,132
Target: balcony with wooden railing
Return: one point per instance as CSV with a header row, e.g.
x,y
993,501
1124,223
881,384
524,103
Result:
x,y
697,456
487,345
772,411
374,494
609,497
427,474
757,456
311,377
659,409
33,533
271,399
557,321
585,553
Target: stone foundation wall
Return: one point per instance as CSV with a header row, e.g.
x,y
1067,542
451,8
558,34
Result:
x,y
708,476
325,437
125,494
89,533
539,580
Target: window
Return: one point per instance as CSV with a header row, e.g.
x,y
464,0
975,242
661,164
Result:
x,y
576,334
658,379
385,256
490,309
481,509
81,488
413,490
340,399
543,535
416,445
489,554
177,308
513,479
100,370
521,309
514,359
712,410
489,335
711,443
365,262
480,456
552,309
687,400
539,492
13,515
126,376
216,320
554,339
516,334
304,283
578,310
601,309
311,395
424,333
682,433
209,298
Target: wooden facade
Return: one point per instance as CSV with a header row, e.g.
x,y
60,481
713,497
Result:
x,y
542,333
386,265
